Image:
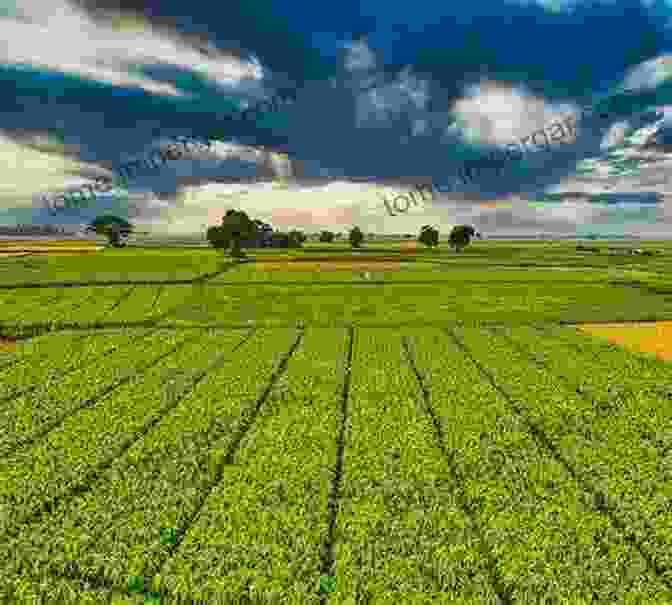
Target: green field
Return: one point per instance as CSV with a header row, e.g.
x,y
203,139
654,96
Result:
x,y
176,427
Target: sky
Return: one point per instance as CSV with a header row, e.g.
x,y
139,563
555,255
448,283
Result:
x,y
376,98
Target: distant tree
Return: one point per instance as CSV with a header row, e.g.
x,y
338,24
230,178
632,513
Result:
x,y
356,237
327,236
217,238
264,231
429,236
113,227
296,238
237,226
279,240
460,236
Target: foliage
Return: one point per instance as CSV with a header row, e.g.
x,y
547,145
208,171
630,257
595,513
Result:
x,y
236,226
113,227
327,236
429,236
460,236
217,237
296,238
356,237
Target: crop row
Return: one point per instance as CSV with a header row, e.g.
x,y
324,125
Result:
x,y
621,406
625,387
114,528
51,356
325,304
604,455
43,397
57,452
67,304
22,303
261,530
87,304
549,544
394,544
112,265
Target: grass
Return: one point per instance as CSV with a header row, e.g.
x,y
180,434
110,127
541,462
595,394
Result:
x,y
427,434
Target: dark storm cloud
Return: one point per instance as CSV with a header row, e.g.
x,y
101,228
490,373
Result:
x,y
376,86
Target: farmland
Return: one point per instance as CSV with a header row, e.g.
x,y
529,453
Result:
x,y
389,426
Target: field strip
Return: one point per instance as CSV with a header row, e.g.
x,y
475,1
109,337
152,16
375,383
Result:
x,y
638,415
533,514
24,302
101,302
636,366
641,406
67,306
138,304
24,355
262,528
159,291
548,410
401,535
35,415
162,481
38,376
65,465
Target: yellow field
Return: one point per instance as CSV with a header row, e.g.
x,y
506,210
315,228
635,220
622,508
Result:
x,y
7,343
50,246
648,337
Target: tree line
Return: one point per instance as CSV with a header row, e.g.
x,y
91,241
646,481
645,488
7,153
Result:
x,y
237,231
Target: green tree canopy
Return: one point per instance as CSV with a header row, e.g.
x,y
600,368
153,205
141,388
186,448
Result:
x,y
429,236
113,227
460,236
236,226
356,237
296,238
326,236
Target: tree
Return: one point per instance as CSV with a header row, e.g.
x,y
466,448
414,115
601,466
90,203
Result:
x,y
279,240
296,238
327,236
429,236
356,237
460,236
217,238
237,226
113,227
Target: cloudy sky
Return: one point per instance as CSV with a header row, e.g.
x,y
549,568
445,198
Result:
x,y
377,97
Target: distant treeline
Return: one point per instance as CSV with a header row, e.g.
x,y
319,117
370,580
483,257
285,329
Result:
x,y
31,230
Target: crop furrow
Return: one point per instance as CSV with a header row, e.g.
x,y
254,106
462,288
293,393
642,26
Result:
x,y
328,557
602,503
83,485
159,291
582,389
160,478
503,593
242,429
47,428
99,581
121,299
74,367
